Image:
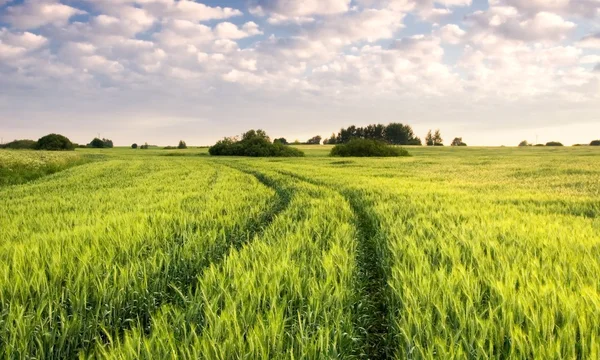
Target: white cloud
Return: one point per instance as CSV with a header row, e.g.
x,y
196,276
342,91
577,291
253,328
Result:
x,y
33,14
590,41
291,8
227,30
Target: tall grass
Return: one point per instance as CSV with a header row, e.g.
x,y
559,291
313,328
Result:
x,y
452,253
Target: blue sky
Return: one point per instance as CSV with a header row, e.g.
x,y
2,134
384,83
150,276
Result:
x,y
493,72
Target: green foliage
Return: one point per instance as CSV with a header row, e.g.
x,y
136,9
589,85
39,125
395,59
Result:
x,y
134,146
595,143
254,144
524,143
20,145
17,167
554,143
367,148
315,140
458,142
281,140
393,133
54,142
182,145
101,143
144,147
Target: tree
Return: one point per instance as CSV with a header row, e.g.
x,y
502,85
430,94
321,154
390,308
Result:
x,y
134,146
595,143
251,134
145,146
182,145
437,139
458,142
101,143
253,143
429,139
400,134
554,143
96,143
281,140
524,143
315,140
54,142
332,140
20,144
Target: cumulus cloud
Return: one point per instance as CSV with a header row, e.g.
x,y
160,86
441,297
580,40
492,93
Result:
x,y
590,41
290,8
324,52
33,14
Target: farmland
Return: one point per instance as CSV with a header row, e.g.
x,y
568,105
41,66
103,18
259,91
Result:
x,y
450,253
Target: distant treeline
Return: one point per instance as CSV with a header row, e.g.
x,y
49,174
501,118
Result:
x,y
393,133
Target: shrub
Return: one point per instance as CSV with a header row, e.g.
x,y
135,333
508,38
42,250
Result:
x,y
367,148
182,145
170,147
134,146
255,144
595,143
554,143
101,143
524,143
19,144
54,142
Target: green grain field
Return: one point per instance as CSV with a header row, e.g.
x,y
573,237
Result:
x,y
452,253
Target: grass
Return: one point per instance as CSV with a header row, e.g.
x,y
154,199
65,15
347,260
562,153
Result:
x,y
20,166
451,253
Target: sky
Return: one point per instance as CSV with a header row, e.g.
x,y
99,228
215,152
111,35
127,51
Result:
x,y
493,72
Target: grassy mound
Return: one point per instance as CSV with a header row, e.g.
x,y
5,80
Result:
x,y
367,148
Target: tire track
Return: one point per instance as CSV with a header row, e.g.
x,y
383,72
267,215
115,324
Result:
x,y
173,279
372,315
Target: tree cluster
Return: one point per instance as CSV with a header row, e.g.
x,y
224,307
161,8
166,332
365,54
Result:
x,y
20,145
393,133
54,142
253,143
458,142
434,139
595,143
101,143
367,148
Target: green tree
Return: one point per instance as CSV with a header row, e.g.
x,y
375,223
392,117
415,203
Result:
x,y
54,142
134,146
595,143
458,142
96,143
281,140
20,144
524,143
554,143
437,138
182,145
429,139
315,140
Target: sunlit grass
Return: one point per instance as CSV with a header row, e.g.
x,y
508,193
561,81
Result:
x,y
451,253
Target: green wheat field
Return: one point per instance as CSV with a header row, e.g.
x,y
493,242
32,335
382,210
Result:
x,y
452,253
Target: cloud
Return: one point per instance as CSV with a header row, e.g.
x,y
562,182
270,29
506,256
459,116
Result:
x,y
590,41
509,23
336,57
33,14
292,8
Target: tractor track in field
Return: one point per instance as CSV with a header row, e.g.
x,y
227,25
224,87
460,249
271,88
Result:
x,y
372,318
187,283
